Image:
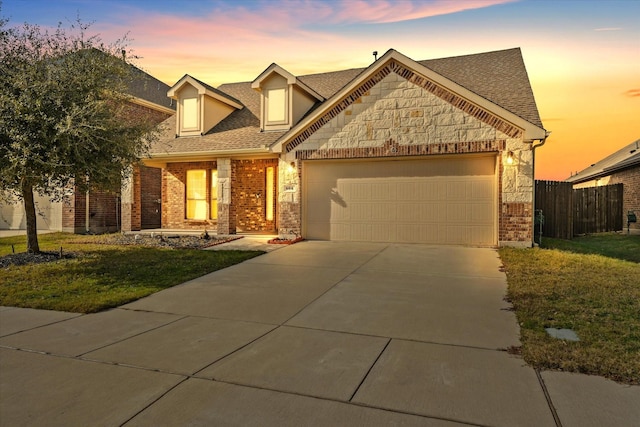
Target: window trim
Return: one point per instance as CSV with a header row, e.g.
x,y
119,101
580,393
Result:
x,y
285,106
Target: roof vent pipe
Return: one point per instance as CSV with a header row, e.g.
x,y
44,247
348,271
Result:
x,y
375,55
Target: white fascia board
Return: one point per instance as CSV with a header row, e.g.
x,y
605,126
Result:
x,y
202,90
152,105
291,80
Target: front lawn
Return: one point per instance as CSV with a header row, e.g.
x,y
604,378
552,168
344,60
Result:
x,y
614,245
594,295
101,276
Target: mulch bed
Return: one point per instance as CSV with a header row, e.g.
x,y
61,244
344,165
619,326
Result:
x,y
279,241
146,240
24,258
164,241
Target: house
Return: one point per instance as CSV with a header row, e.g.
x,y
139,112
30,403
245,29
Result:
x,y
623,167
437,151
98,212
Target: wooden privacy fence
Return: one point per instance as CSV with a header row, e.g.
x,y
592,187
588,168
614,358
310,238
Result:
x,y
568,212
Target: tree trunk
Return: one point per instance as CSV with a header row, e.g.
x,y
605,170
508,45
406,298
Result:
x,y
30,211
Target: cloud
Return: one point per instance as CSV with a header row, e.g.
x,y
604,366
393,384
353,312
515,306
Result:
x,y
387,11
608,29
633,93
234,41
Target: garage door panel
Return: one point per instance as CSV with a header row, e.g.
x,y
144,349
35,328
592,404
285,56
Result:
x,y
413,201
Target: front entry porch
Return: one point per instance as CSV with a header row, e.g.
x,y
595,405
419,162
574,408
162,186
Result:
x,y
222,195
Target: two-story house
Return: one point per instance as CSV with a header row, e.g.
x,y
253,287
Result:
x,y
436,151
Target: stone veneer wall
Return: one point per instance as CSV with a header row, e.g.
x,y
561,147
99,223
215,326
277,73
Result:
x,y
289,197
396,117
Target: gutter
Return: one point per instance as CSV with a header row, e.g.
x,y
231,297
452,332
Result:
x,y
163,158
241,151
533,160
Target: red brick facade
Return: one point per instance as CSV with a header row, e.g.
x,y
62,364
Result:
x,y
104,212
247,211
515,222
248,193
174,182
630,178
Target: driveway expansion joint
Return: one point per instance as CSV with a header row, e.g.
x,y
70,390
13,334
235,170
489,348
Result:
x,y
547,396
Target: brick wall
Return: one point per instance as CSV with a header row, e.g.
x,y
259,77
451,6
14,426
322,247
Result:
x,y
69,213
143,112
248,193
516,224
174,197
104,212
630,178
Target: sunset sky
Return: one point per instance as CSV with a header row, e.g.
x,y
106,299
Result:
x,y
582,56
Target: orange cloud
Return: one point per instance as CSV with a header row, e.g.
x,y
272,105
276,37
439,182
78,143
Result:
x,y
632,93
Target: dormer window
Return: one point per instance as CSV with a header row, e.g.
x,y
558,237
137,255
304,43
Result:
x,y
285,99
200,106
276,100
190,114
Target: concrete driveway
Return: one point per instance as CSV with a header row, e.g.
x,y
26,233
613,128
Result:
x,y
316,333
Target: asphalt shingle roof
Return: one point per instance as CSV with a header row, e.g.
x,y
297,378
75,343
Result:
x,y
499,76
625,157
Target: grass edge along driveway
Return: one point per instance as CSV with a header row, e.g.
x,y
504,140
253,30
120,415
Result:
x,y
102,276
596,296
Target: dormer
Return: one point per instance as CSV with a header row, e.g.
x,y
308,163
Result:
x,y
200,106
284,99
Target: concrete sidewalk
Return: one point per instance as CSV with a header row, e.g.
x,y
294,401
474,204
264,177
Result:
x,y
316,333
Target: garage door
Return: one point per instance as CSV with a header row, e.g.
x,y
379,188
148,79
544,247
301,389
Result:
x,y
449,200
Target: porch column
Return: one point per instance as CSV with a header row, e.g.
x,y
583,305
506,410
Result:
x,y
226,206
131,201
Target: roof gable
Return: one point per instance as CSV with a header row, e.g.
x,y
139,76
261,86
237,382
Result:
x,y
291,80
203,89
426,78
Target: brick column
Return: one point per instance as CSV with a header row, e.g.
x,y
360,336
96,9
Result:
x,y
131,201
226,205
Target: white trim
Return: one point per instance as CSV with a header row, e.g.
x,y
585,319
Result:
x,y
152,105
171,93
291,80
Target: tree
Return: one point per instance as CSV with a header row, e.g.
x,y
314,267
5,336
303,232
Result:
x,y
65,119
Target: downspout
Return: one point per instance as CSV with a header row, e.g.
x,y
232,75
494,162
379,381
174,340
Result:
x,y
533,160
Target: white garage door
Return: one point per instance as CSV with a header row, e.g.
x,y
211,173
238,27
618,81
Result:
x,y
448,200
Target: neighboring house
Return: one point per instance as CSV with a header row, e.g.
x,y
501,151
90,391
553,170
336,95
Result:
x,y
623,167
97,212
436,151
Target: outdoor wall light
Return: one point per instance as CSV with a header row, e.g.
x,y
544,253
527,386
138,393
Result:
x,y
510,158
292,166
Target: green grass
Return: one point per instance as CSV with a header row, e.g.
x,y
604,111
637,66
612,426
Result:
x,y
621,246
101,276
596,296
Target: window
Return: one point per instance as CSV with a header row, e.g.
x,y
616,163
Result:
x,y
190,113
198,207
270,185
214,194
276,106
197,194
